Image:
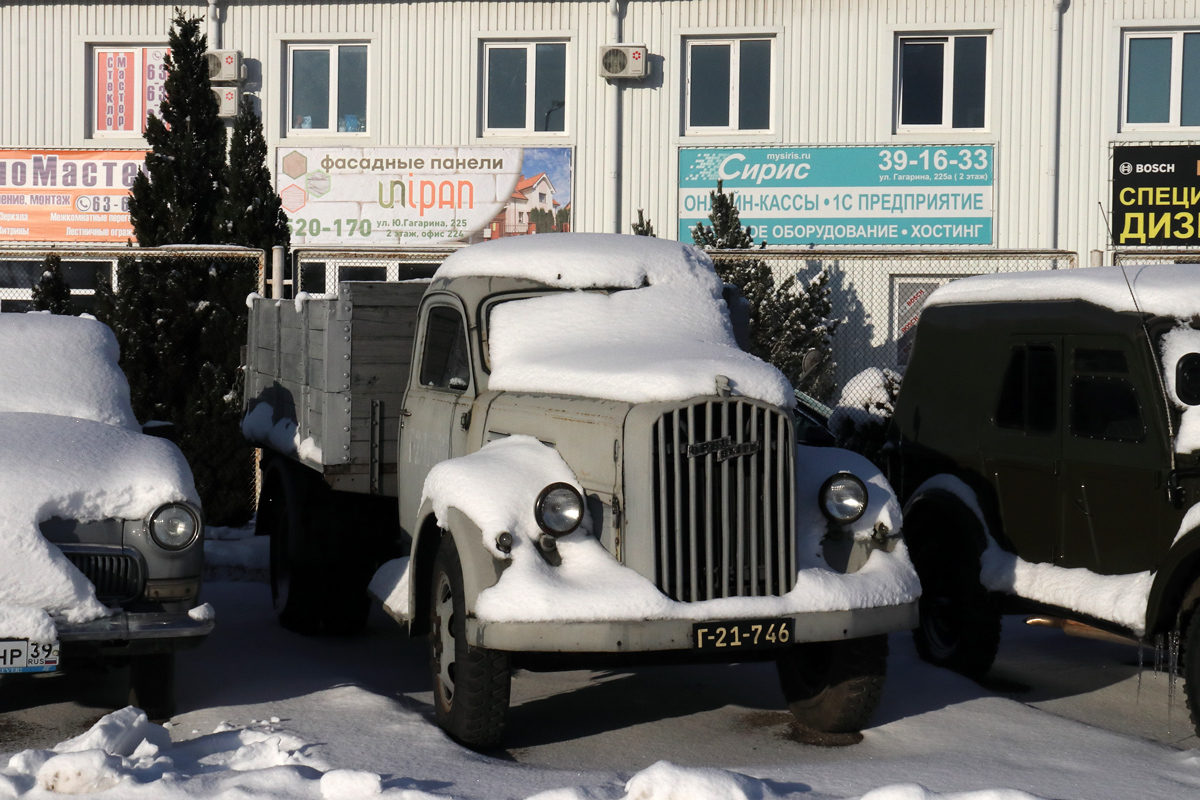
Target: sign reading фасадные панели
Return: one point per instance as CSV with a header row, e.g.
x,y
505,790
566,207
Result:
x,y
836,195
1156,195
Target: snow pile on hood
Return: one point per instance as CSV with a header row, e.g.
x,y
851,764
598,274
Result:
x,y
1163,289
65,366
498,485
665,336
53,464
1117,598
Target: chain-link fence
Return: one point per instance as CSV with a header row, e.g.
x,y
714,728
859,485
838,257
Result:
x,y
877,295
1131,257
85,268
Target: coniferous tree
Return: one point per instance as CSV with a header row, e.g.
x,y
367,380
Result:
x,y
52,293
251,212
643,226
788,318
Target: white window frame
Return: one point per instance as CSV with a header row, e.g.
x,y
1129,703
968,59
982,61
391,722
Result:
x,y
530,47
735,66
139,68
1176,101
948,38
332,48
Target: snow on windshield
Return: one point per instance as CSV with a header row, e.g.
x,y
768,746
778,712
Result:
x,y
1163,289
667,337
69,448
62,365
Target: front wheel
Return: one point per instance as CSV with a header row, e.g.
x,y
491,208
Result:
x,y
1191,666
152,684
470,684
960,626
834,687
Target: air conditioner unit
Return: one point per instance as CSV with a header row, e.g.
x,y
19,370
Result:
x,y
225,66
623,61
228,98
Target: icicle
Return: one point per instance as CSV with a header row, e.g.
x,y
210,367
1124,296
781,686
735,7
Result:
x,y
1158,653
1173,666
1141,668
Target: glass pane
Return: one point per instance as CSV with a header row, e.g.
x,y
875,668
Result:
x,y
754,86
1105,408
1189,113
1149,96
352,89
310,89
1042,383
506,87
921,70
708,86
550,87
1089,360
445,364
970,81
1010,411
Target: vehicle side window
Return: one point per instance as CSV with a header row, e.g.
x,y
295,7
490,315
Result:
x,y
1104,406
1029,393
445,363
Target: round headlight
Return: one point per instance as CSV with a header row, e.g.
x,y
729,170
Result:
x,y
174,527
843,497
559,509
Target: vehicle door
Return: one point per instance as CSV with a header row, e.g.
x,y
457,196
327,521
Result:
x,y
1114,463
440,390
1020,446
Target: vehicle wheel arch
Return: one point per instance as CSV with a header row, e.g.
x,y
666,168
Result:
x,y
927,508
1175,593
480,569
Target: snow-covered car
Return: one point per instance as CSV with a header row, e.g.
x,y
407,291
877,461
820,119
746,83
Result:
x,y
585,463
1046,442
100,523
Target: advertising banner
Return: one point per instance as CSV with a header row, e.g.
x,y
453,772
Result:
x,y
938,194
388,196
67,195
1156,196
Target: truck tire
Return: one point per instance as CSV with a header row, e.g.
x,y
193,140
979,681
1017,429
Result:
x,y
834,687
960,626
470,684
152,684
296,586
1191,666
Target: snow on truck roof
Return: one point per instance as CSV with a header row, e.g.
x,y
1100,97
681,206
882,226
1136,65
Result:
x,y
665,337
580,260
1161,289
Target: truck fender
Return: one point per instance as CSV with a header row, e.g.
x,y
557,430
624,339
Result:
x,y
481,569
938,514
1176,587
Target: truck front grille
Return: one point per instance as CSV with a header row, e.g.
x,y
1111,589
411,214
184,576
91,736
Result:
x,y
724,515
116,574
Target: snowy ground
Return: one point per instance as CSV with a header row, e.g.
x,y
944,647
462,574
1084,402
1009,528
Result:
x,y
266,713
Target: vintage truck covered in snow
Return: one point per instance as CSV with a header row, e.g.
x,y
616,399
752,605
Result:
x,y
555,447
1046,442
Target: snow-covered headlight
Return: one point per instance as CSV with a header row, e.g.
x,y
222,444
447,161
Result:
x,y
559,509
843,497
174,526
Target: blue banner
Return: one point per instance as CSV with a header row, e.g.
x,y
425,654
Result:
x,y
937,195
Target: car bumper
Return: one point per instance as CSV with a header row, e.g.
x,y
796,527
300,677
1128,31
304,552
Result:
x,y
138,632
640,635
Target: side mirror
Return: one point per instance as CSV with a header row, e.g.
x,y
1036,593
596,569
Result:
x,y
1187,379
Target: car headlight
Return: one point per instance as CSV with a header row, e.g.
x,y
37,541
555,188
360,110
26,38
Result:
x,y
174,526
559,509
843,497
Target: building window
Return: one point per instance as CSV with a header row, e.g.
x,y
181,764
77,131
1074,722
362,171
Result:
x,y
327,90
728,85
942,83
1162,79
127,86
525,87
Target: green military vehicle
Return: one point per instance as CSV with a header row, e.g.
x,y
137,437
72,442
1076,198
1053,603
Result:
x,y
1045,449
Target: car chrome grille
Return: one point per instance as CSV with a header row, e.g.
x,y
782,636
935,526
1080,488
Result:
x,y
724,515
116,573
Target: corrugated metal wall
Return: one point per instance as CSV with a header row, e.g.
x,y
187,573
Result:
x,y
834,84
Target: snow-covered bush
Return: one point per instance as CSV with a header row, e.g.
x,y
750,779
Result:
x,y
861,416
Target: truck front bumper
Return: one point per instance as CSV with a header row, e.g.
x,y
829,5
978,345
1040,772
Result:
x,y
649,635
136,633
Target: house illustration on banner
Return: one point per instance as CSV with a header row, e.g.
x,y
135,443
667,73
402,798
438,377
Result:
x,y
532,209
